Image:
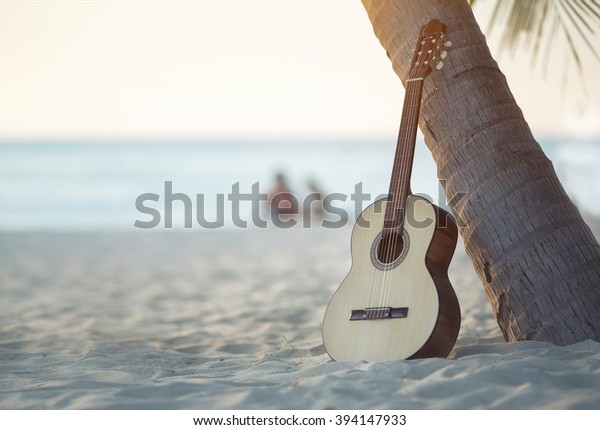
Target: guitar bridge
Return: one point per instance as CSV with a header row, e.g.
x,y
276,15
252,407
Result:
x,y
378,313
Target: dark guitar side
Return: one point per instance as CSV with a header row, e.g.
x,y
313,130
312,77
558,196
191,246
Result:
x,y
437,260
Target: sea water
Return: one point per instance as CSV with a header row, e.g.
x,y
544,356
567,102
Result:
x,y
60,185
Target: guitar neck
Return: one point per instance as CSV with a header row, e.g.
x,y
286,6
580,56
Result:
x,y
405,151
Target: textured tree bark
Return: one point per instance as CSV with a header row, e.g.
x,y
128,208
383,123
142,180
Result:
x,y
537,259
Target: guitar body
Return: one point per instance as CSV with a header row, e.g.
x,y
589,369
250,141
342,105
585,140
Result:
x,y
404,308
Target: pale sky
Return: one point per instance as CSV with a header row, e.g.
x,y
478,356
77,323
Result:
x,y
235,68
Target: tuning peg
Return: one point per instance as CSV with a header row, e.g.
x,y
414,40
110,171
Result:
x,y
444,54
439,65
447,44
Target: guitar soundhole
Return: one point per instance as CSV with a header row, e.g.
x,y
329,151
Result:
x,y
390,247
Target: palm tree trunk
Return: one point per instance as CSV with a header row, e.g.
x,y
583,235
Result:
x,y
537,259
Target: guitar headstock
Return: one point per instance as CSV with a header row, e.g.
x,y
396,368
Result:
x,y
429,50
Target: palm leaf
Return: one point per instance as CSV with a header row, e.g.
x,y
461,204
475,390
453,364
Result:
x,y
536,25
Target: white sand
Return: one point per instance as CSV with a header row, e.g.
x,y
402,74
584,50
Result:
x,y
232,320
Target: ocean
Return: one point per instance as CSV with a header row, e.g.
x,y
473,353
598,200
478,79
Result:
x,y
94,185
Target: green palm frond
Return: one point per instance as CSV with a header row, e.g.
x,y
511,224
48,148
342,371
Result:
x,y
536,26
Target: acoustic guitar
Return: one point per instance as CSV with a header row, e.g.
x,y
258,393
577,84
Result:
x,y
397,301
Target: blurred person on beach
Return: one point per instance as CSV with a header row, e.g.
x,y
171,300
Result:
x,y
282,201
316,203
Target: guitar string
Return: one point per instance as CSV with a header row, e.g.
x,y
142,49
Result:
x,y
382,251
409,161
399,176
395,197
401,188
391,206
399,191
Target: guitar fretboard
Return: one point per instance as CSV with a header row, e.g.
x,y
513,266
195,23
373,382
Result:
x,y
403,160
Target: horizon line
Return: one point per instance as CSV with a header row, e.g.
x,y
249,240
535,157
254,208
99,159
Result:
x,y
224,139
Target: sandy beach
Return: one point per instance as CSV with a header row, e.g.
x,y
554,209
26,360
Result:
x,y
231,319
